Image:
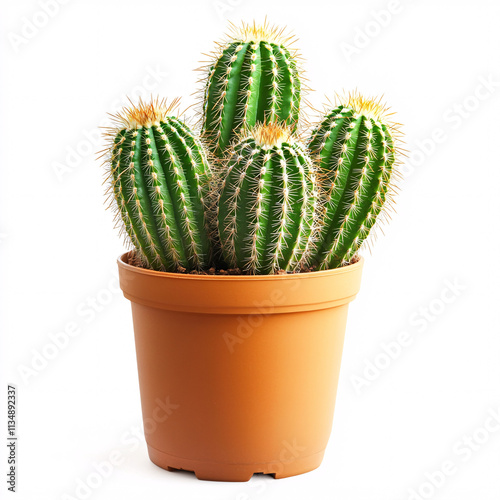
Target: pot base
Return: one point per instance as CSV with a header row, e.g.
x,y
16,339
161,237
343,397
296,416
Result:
x,y
216,471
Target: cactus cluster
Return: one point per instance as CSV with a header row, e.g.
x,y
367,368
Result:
x,y
249,193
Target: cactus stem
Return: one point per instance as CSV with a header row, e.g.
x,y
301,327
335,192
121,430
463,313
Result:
x,y
254,77
265,201
159,176
357,156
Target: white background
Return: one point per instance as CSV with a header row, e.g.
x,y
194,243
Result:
x,y
58,247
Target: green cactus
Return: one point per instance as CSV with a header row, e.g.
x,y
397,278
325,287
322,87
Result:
x,y
255,78
267,202
159,178
355,149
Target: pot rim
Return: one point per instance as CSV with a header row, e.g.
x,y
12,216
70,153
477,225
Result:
x,y
123,262
236,294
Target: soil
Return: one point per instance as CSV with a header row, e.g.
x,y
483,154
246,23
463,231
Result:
x,y
238,272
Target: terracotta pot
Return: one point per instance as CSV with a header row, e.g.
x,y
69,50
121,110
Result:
x,y
238,374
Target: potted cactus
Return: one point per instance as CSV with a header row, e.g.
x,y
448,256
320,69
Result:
x,y
245,240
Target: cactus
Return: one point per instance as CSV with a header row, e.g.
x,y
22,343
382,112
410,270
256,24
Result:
x,y
254,78
267,202
355,149
159,177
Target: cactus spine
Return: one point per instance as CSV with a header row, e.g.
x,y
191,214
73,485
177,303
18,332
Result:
x,y
356,153
254,79
267,202
159,177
